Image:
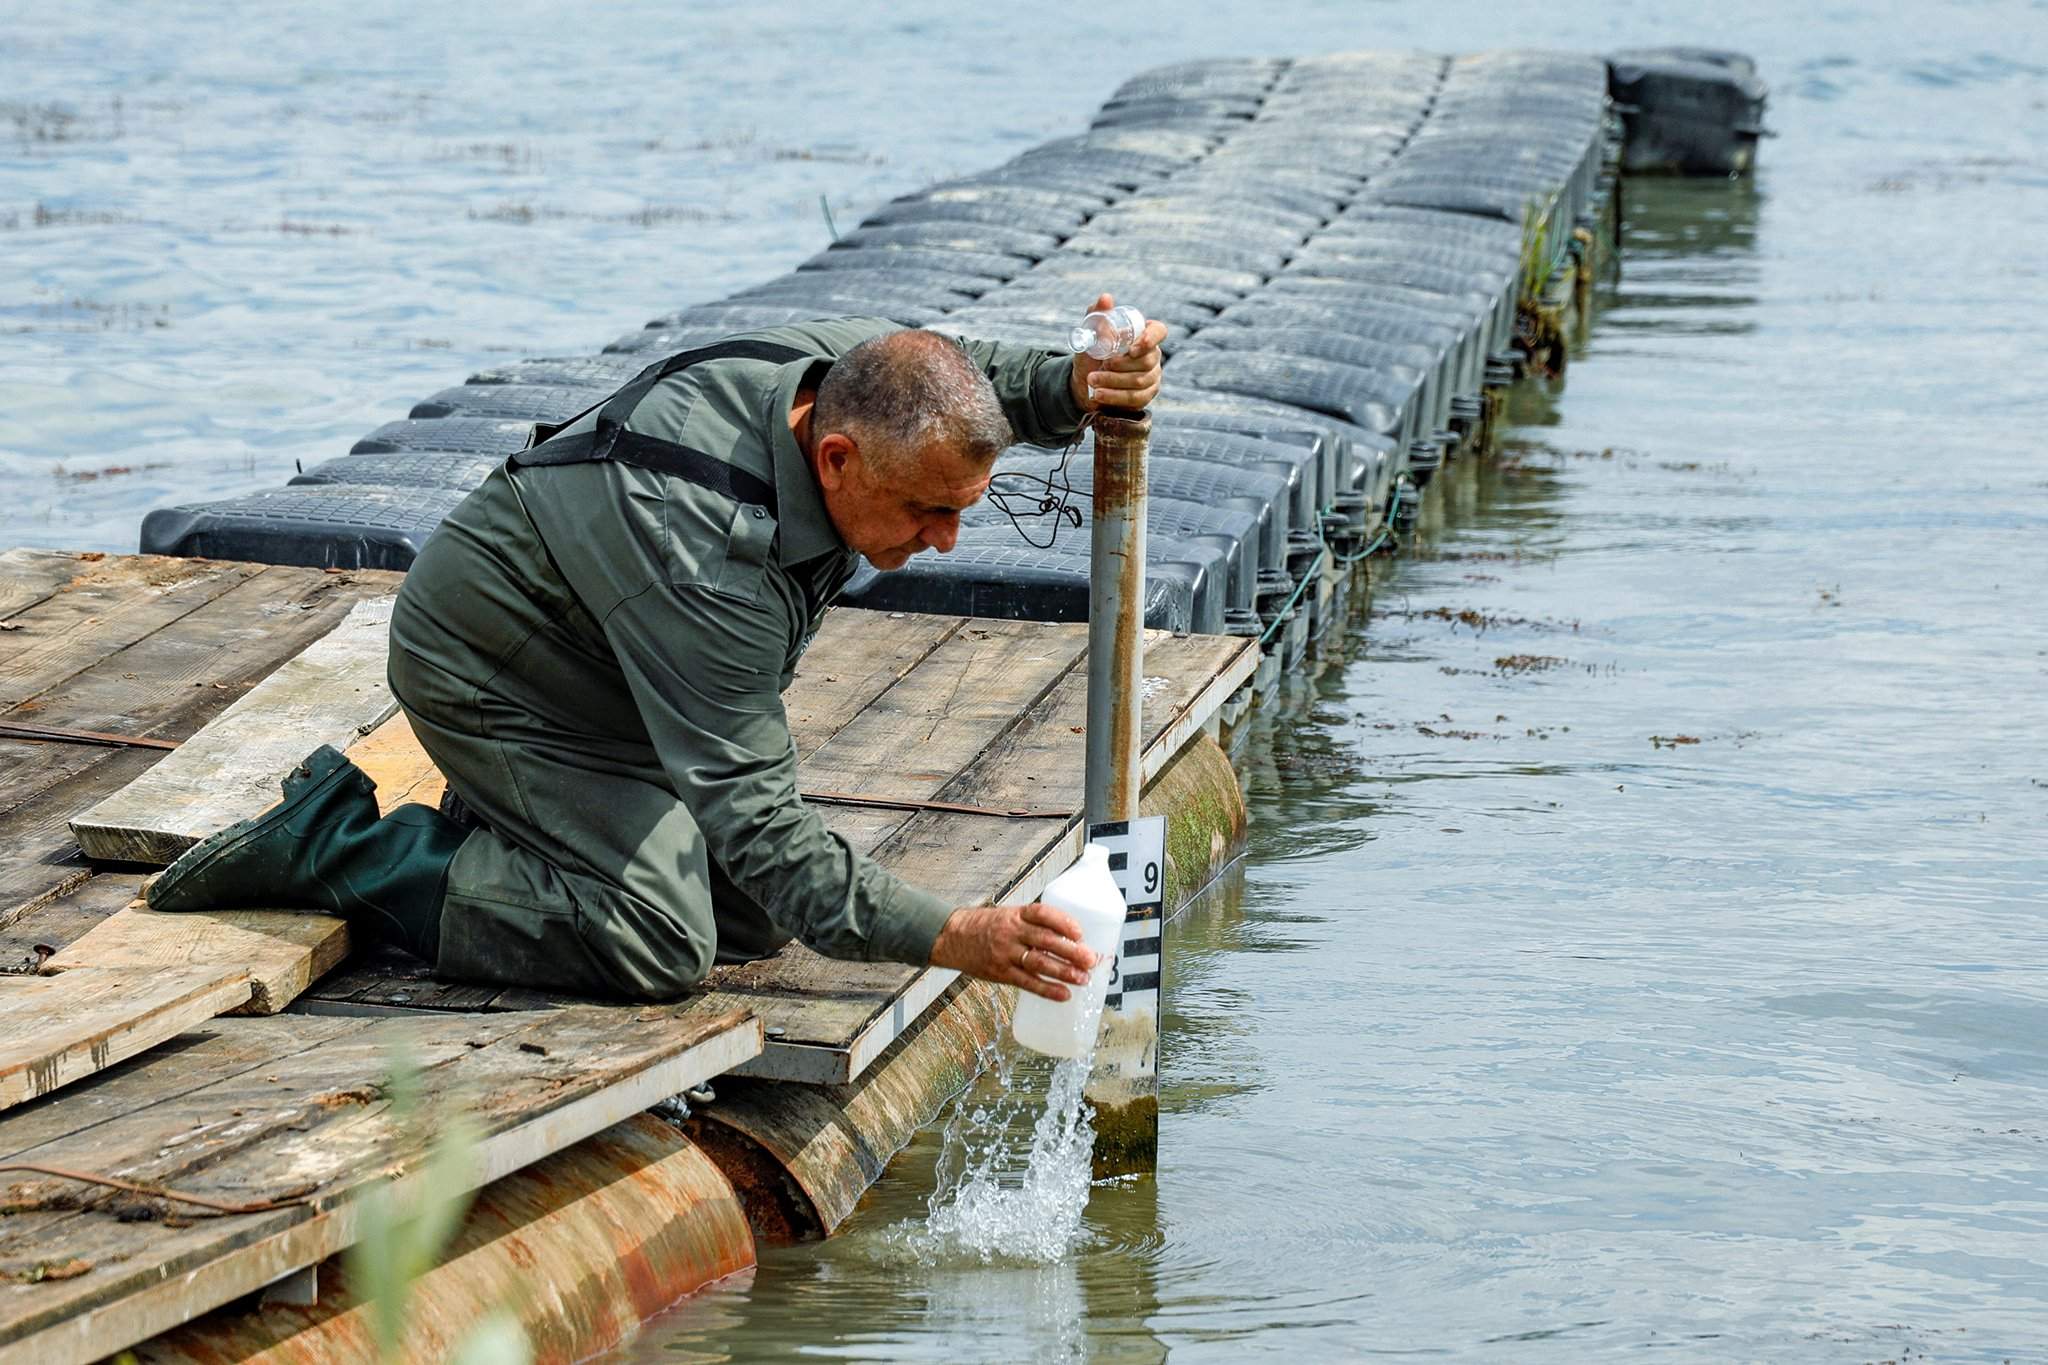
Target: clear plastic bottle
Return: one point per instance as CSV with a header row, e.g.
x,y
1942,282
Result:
x,y
1107,333
1089,893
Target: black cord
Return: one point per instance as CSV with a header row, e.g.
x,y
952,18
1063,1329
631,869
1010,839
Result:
x,y
1021,496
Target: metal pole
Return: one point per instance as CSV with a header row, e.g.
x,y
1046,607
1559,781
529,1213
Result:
x,y
1116,615
1124,1085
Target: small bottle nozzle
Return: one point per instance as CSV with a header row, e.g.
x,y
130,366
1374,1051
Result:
x,y
1107,333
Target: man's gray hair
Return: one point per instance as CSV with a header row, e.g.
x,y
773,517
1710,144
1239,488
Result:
x,y
903,392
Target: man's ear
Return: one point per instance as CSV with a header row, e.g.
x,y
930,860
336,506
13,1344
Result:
x,y
834,456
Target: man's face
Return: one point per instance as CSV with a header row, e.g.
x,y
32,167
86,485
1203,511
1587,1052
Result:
x,y
907,507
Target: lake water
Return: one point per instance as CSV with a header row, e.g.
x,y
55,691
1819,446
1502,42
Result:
x,y
1641,941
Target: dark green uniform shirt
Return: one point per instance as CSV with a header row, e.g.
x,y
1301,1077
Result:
x,y
631,611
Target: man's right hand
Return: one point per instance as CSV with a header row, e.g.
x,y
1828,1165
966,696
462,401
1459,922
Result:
x,y
1129,381
1016,945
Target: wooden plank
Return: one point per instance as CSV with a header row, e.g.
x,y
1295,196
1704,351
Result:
x,y
31,940
301,1110
1040,761
317,1126
332,693
863,827
206,1054
109,606
916,736
168,685
856,656
53,1030
392,757
851,1038
663,1211
43,860
282,951
911,742
385,979
31,576
1205,672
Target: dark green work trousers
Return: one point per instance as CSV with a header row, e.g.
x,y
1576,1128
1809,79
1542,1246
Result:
x,y
585,877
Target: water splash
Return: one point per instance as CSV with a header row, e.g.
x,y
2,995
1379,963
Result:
x,y
999,1197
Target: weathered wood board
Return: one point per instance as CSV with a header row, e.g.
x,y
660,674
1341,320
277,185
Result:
x,y
282,952
30,941
203,1055
886,704
332,693
915,736
111,605
392,758
31,576
55,1030
306,1118
72,631
855,657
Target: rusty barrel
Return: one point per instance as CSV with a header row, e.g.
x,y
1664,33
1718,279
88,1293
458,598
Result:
x,y
581,1247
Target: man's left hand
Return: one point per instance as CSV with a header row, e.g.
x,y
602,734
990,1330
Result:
x,y
1033,947
1130,380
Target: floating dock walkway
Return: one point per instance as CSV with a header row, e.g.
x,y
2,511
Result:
x,y
152,699
1356,254
1340,244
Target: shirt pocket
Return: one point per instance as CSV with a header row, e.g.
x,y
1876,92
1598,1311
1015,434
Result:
x,y
749,550
715,543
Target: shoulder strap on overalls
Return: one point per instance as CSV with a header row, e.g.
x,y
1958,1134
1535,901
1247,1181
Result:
x,y
610,440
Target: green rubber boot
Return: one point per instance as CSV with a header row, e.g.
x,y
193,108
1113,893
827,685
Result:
x,y
323,848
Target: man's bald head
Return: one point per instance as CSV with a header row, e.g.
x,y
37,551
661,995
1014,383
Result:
x,y
900,394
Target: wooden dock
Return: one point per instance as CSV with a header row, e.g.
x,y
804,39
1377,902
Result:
x,y
112,665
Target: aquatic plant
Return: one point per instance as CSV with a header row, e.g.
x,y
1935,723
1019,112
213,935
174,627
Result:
x,y
399,1241
1536,257
1539,330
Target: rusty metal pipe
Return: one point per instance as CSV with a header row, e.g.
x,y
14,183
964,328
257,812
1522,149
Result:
x,y
801,1156
1124,1084
582,1247
1116,616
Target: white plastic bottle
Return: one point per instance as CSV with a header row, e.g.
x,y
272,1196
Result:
x,y
1089,893
1109,333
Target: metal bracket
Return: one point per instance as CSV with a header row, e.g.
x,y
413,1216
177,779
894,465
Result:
x,y
299,1289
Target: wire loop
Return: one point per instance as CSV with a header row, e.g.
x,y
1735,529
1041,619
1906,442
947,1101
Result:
x,y
1022,497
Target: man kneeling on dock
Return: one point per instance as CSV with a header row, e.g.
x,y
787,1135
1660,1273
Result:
x,y
592,650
